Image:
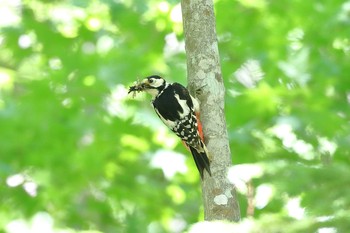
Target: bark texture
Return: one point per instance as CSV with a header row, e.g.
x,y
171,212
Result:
x,y
204,74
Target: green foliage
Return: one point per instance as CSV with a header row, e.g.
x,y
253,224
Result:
x,y
76,150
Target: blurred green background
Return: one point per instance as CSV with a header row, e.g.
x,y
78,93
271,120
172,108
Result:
x,y
79,155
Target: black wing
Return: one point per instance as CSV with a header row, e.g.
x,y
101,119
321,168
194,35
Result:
x,y
169,109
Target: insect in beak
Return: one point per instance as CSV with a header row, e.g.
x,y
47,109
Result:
x,y
139,86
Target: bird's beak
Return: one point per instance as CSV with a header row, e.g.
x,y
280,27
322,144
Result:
x,y
145,83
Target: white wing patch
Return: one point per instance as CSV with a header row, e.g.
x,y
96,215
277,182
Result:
x,y
195,103
184,106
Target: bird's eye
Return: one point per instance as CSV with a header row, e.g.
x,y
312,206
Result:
x,y
151,80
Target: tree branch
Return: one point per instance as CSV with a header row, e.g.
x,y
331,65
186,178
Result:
x,y
204,74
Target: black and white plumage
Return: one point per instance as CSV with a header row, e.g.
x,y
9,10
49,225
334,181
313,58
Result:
x,y
177,109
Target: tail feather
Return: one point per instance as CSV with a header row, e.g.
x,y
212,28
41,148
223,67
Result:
x,y
202,161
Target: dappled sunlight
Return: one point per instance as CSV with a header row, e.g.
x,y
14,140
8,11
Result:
x,y
342,44
343,14
29,186
173,46
241,174
264,194
327,230
163,136
295,38
327,148
88,48
296,67
41,222
25,41
294,209
93,24
67,19
9,12
115,103
259,4
105,44
170,162
55,63
176,15
246,226
177,224
285,132
164,7
165,15
15,180
176,193
87,138
250,73
176,19
6,79
135,142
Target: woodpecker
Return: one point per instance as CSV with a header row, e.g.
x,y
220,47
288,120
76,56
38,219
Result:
x,y
179,111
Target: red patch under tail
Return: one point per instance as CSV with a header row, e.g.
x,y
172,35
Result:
x,y
200,127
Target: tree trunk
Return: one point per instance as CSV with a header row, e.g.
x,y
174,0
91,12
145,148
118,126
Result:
x,y
204,74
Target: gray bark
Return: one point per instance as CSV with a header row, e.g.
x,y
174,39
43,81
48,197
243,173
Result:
x,y
204,74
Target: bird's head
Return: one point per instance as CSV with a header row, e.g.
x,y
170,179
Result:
x,y
153,85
